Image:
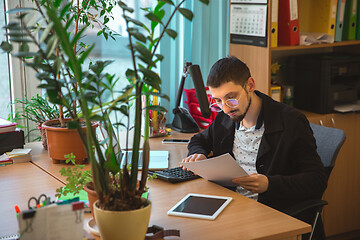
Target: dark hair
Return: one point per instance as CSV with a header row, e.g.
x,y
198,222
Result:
x,y
228,69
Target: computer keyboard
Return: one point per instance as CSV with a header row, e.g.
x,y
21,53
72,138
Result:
x,y
175,175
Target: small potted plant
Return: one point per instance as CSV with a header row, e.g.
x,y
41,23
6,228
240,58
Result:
x,y
37,110
77,180
116,186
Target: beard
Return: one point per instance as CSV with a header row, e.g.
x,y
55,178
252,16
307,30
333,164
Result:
x,y
239,118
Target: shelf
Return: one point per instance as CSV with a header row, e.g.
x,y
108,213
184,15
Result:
x,y
327,45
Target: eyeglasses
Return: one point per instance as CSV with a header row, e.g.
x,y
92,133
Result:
x,y
231,103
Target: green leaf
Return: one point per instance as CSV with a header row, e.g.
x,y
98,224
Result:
x,y
72,125
78,36
160,14
86,53
13,26
152,17
24,54
112,167
16,33
57,65
186,13
159,56
97,117
46,32
20,10
159,6
19,39
168,2
148,61
205,1
106,20
151,78
139,36
158,94
130,73
129,9
136,22
53,95
171,33
51,45
122,4
7,47
24,47
143,51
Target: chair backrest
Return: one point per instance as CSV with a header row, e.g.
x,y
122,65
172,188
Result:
x,y
328,141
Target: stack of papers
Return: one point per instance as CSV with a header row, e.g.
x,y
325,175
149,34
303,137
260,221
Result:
x,y
6,126
5,160
20,155
309,38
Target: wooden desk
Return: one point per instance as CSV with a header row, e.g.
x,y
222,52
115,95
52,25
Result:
x,y
242,218
19,182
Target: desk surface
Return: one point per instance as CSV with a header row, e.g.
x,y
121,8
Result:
x,y
242,218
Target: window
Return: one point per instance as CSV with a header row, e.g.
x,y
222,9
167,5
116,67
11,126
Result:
x,y
5,94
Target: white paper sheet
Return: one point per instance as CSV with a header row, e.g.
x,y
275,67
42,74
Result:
x,y
221,169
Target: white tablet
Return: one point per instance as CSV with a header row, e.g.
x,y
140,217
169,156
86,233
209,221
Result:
x,y
200,206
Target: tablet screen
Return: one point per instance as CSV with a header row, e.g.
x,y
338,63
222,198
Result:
x,y
200,206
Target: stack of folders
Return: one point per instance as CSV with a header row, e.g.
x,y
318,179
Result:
x,y
54,221
20,155
339,19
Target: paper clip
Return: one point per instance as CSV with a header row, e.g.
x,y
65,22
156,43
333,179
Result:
x,y
78,207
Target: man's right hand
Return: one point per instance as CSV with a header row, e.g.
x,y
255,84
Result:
x,y
193,158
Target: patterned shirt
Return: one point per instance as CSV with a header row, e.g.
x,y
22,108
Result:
x,y
246,146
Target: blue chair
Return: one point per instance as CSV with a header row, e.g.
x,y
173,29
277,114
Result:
x,y
329,142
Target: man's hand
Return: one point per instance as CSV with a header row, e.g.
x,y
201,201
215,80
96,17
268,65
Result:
x,y
256,183
193,158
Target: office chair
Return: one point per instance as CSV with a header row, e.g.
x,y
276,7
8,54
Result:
x,y
328,141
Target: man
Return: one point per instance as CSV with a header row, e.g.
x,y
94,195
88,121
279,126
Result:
x,y
270,140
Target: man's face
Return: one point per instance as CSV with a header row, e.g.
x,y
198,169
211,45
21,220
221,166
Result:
x,y
225,96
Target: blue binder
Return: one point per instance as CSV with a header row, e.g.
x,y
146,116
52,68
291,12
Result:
x,y
339,20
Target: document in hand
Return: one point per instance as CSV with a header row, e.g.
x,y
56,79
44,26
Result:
x,y
221,169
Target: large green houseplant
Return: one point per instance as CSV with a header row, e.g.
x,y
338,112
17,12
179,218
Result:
x,y
116,187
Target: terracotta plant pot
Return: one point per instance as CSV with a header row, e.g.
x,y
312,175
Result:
x,y
63,141
92,196
129,225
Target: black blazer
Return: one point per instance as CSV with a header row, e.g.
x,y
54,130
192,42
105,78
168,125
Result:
x,y
287,153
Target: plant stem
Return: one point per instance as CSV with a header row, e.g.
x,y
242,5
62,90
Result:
x,y
165,27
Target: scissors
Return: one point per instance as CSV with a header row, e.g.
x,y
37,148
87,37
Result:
x,y
34,202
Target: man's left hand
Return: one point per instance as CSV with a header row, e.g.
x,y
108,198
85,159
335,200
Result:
x,y
256,183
